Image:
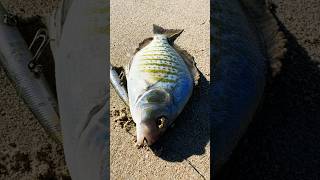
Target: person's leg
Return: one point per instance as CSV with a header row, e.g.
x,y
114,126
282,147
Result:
x,y
81,79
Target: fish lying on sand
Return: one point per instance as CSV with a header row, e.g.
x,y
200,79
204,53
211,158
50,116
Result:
x,y
160,80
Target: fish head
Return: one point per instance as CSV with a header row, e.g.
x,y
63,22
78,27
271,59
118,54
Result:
x,y
153,115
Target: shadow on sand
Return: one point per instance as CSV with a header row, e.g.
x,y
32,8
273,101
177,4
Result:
x,y
191,132
282,142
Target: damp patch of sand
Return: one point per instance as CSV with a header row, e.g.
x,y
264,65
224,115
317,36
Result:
x,y
123,119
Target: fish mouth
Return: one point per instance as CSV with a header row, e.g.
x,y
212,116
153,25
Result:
x,y
143,139
148,132
143,142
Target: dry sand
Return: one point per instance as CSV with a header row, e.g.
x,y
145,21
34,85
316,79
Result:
x,y
185,150
281,143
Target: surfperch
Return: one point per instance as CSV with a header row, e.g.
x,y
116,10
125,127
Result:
x,y
160,79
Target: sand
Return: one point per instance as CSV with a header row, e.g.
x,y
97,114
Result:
x,y
26,150
30,8
184,151
281,143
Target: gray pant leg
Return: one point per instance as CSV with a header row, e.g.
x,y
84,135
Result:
x,y
81,79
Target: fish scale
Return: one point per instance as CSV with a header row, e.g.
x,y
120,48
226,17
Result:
x,y
160,79
159,65
159,62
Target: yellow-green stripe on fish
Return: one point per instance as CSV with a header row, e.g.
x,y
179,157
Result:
x,y
159,84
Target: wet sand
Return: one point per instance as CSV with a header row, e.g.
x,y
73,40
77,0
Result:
x,y
184,150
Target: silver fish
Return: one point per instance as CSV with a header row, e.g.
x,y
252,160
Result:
x,y
160,81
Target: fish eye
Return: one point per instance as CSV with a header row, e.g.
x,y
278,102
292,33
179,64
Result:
x,y
160,122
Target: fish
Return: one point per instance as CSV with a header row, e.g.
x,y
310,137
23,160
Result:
x,y
160,79
246,52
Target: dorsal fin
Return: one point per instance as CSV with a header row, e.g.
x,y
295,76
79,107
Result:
x,y
171,34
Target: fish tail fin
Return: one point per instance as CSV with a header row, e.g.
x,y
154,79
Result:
x,y
273,38
171,34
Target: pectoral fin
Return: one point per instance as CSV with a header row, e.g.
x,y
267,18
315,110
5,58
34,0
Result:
x,y
118,81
